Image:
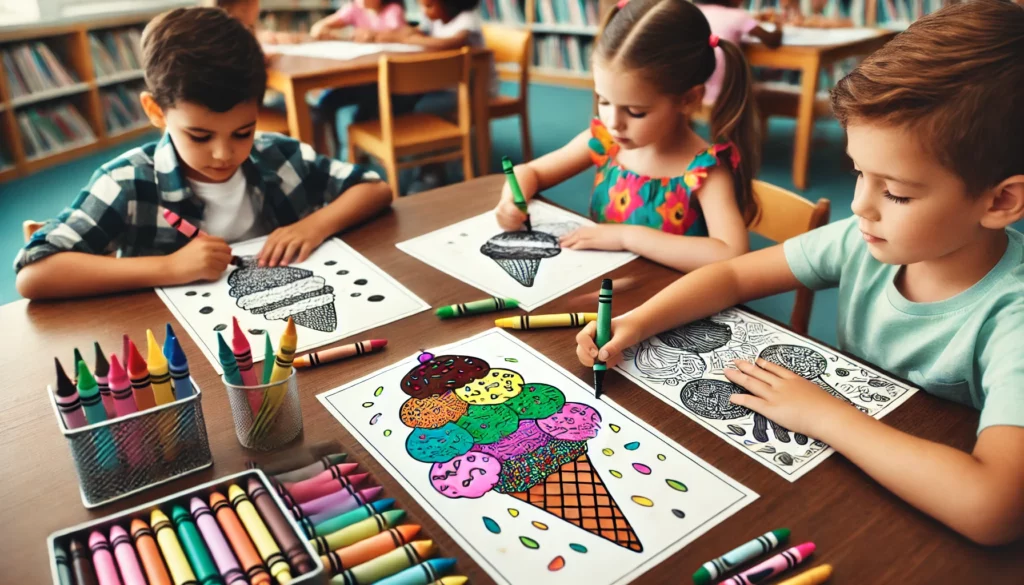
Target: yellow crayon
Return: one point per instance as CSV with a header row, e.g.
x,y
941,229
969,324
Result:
x,y
282,369
815,576
546,321
181,571
159,371
261,537
451,580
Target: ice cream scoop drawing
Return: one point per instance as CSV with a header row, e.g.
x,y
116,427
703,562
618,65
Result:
x,y
284,291
519,253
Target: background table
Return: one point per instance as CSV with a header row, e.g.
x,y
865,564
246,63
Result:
x,y
868,534
295,75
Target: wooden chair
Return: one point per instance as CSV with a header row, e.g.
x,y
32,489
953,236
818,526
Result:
x,y
412,140
270,120
515,47
29,227
784,215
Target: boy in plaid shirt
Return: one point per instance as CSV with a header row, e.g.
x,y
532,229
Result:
x,y
206,78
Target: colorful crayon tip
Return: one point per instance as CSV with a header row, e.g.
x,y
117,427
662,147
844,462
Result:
x,y
154,355
268,357
237,336
376,344
78,358
117,377
116,531
814,576
65,387
96,539
136,365
102,366
169,338
156,517
137,525
169,331
806,549
451,580
289,334
196,505
86,382
177,357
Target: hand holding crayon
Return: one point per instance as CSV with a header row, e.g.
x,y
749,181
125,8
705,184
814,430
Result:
x,y
517,193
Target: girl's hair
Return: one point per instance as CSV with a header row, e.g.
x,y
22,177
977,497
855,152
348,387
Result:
x,y
456,7
668,43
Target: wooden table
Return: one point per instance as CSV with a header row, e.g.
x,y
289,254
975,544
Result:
x,y
868,534
294,75
809,60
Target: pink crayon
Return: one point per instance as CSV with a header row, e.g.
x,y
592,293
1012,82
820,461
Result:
x,y
336,471
225,560
68,403
102,560
330,506
121,389
781,562
312,489
127,561
190,231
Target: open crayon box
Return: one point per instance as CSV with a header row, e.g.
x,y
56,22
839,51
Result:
x,y
125,455
81,532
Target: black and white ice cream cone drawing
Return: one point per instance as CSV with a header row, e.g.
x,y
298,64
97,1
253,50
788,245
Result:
x,y
285,291
519,253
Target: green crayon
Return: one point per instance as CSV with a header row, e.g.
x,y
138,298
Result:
x,y
604,331
268,358
347,519
195,548
227,362
517,193
92,405
477,307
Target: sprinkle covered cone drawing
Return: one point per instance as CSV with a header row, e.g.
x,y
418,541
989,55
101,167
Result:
x,y
284,291
486,429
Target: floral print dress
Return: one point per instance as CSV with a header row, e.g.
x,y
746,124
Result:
x,y
666,204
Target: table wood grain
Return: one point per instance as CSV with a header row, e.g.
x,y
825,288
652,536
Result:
x,y
865,532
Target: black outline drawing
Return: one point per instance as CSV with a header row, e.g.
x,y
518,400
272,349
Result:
x,y
251,279
519,253
702,336
805,362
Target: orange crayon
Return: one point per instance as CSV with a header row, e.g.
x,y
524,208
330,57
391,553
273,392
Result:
x,y
378,545
339,353
239,539
149,553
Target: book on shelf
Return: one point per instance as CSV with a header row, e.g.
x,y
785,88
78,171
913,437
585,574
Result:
x,y
33,67
568,12
121,108
116,51
509,12
52,128
568,52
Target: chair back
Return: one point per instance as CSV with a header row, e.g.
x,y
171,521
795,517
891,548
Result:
x,y
511,46
415,74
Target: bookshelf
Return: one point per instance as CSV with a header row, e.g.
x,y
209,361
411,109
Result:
x,y
57,95
293,15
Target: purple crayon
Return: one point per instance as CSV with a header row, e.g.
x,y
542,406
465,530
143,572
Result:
x,y
225,560
330,506
783,561
68,403
102,560
127,561
102,370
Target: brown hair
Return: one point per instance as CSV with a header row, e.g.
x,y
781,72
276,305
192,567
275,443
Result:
x,y
203,56
667,42
225,4
955,79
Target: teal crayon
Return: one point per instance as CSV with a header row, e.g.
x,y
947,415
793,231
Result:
x,y
604,332
89,394
195,548
346,519
480,307
517,192
60,556
228,362
422,574
716,568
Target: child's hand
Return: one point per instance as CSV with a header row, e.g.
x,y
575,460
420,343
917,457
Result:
x,y
624,334
783,397
510,218
204,258
293,242
362,35
320,30
598,237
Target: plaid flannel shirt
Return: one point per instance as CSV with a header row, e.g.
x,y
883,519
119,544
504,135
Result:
x,y
119,210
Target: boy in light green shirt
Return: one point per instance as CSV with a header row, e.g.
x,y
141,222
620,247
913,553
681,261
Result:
x,y
930,275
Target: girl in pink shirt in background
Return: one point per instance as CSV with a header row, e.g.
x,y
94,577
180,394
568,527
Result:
x,y
366,16
730,22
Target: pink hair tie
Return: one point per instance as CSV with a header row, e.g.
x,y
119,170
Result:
x,y
621,4
713,41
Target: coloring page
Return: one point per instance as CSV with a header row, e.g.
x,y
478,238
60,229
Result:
x,y
335,293
526,470
685,368
529,267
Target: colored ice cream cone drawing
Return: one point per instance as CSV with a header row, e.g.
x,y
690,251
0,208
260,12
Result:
x,y
284,291
486,429
519,253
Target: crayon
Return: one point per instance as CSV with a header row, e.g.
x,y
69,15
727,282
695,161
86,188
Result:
x,y
77,358
517,192
103,559
63,562
275,395
368,549
268,350
783,561
241,543
81,565
169,335
338,502
195,548
68,403
178,365
257,530
546,321
243,354
336,471
310,470
190,231
715,568
127,561
339,353
490,305
349,518
422,574
138,373
359,531
126,343
159,371
177,562
89,394
451,580
228,362
321,485
387,564
152,560
124,404
304,523
282,532
220,550
604,332
102,372
815,576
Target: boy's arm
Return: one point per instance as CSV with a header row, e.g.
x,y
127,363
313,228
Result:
x,y
414,37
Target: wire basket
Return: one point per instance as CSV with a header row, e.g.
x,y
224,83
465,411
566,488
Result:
x,y
128,454
267,416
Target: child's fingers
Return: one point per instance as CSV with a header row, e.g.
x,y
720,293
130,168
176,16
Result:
x,y
306,250
749,401
291,250
610,353
750,383
569,240
274,256
775,369
755,372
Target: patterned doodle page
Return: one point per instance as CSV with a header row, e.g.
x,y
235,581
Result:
x,y
527,266
335,293
685,368
532,476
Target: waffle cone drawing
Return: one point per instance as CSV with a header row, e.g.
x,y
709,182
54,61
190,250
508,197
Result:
x,y
282,292
519,253
577,494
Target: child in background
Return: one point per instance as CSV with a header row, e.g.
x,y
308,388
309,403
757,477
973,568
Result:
x,y
205,77
248,13
365,16
731,22
930,275
661,191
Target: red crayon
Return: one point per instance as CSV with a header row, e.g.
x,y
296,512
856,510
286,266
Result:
x,y
190,231
312,489
138,372
121,389
68,402
334,354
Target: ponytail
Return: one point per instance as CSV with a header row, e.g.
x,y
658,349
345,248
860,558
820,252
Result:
x,y
734,119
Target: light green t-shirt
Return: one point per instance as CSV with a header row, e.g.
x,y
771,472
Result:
x,y
968,348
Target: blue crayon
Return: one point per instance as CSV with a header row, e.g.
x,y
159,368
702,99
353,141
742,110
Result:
x,y
422,574
168,334
178,365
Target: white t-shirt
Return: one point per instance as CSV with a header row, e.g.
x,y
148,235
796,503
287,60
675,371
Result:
x,y
229,212
468,21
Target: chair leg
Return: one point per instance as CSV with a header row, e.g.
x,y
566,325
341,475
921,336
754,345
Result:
x,y
467,158
524,131
391,168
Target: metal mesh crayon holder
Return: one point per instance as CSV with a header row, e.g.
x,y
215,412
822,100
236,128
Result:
x,y
275,431
128,454
81,532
